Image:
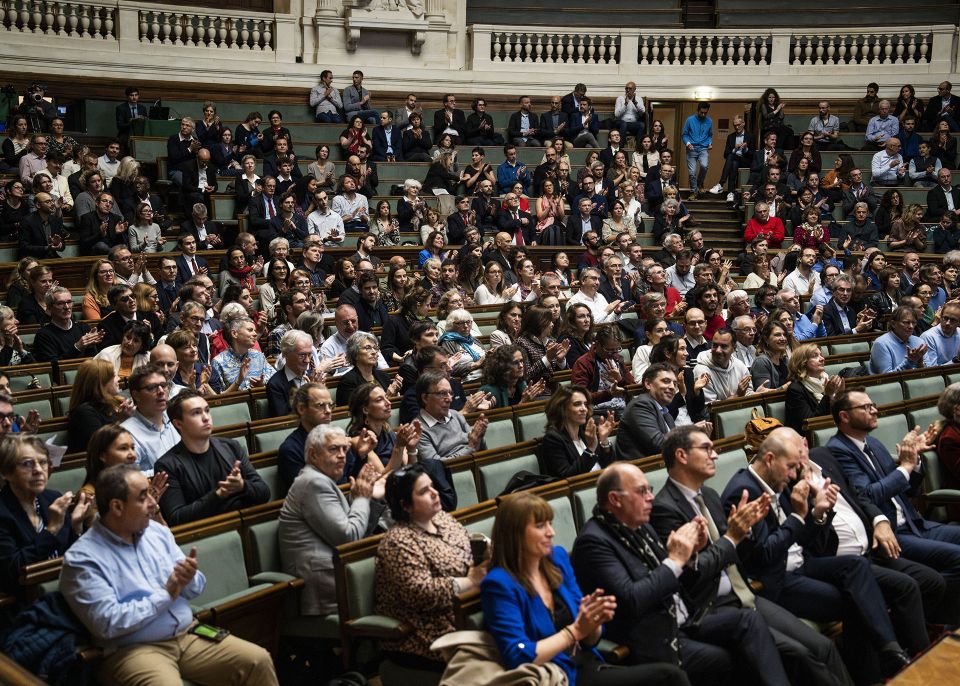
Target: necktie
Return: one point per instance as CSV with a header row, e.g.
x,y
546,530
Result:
x,y
875,463
270,210
667,417
196,267
737,583
519,236
133,110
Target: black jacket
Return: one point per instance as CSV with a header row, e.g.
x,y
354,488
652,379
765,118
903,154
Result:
x,y
937,202
190,495
112,327
20,544
90,232
559,457
459,123
575,227
510,225
278,391
33,241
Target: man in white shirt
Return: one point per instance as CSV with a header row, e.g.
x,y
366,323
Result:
x,y
680,274
352,206
324,222
347,323
887,167
804,279
109,162
61,187
628,112
744,332
603,312
153,433
825,127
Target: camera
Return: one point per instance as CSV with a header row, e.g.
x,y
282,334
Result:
x,y
38,97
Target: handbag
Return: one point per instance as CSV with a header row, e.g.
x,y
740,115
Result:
x,y
756,432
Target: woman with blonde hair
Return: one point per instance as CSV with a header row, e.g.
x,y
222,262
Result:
x,y
906,232
811,389
12,351
94,402
96,306
122,186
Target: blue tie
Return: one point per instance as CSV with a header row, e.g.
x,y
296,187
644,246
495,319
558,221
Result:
x,y
868,451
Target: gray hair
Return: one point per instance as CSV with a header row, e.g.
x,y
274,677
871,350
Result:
x,y
230,312
53,293
236,322
412,183
354,343
669,238
6,313
845,278
311,322
759,205
861,204
319,434
547,278
191,305
949,400
278,242
952,259
671,203
587,270
741,320
606,262
433,261
779,300
200,209
292,338
736,295
458,315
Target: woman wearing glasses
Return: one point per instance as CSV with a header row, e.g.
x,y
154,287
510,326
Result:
x,y
422,563
363,351
36,523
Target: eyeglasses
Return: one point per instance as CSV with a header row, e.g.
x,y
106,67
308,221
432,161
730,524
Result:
x,y
869,407
642,491
30,465
108,272
11,417
442,394
697,322
153,387
195,319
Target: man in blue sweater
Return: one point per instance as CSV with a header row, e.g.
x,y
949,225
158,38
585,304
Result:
x,y
698,137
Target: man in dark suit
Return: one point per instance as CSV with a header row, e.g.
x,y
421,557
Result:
x,y
647,420
181,147
199,180
582,221
263,208
450,120
523,127
387,140
124,305
101,229
128,111
841,315
659,178
737,154
297,349
657,617
457,222
169,283
941,107
809,656
570,103
613,147
41,232
868,466
937,204
486,207
769,155
792,551
519,224
371,310
209,234
189,264
554,123
271,162
206,475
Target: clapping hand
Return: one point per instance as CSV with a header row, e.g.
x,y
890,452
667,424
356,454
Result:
x,y
182,574
595,610
477,432
534,390
233,484
743,516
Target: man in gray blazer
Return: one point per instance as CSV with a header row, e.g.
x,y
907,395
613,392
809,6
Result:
x,y
317,516
647,419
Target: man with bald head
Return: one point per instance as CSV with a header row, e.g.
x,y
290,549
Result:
x,y
628,113
888,167
792,552
41,232
347,323
164,358
661,617
199,180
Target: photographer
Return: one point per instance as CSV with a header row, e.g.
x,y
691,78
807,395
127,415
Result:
x,y
39,112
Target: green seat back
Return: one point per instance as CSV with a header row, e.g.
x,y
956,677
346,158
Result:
x,y
359,575
342,422
924,417
891,430
886,393
494,476
264,547
821,436
923,386
530,426
583,501
564,522
484,525
728,464
221,561
500,434
657,478
272,479
262,407
731,422
69,376
855,347
487,329
778,410
265,441
64,480
20,382
465,484
231,413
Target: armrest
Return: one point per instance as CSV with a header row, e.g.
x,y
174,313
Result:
x,y
464,605
378,626
942,496
272,578
612,653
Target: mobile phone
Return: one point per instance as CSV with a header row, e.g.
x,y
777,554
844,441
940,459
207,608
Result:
x,y
210,633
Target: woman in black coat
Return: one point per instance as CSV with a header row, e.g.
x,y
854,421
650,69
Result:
x,y
574,442
363,352
810,390
95,402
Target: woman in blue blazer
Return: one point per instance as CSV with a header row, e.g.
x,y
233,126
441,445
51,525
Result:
x,y
533,607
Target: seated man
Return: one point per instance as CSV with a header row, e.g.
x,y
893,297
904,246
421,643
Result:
x,y
208,233
124,304
129,584
899,348
511,171
555,123
353,207
42,232
647,419
857,193
690,458
791,551
887,168
313,404
153,432
944,338
346,321
523,129
326,99
206,475
387,140
63,338
942,197
628,113
356,100
840,316
728,376
371,310
881,128
181,147
296,347
804,279
317,516
805,326
446,434
657,617
199,180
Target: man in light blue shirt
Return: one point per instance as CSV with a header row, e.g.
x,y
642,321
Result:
x,y
882,127
887,167
899,349
130,584
698,137
944,339
153,433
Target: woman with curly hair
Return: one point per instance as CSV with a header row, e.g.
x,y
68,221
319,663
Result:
x,y
503,377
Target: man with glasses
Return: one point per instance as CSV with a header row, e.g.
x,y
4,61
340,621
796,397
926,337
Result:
x,y
828,277
35,160
124,304
130,271
347,323
944,339
153,433
292,304
941,107
657,617
41,232
312,403
296,347
63,338
480,127
169,283
101,229
745,333
840,316
899,348
694,324
888,483
603,312
446,434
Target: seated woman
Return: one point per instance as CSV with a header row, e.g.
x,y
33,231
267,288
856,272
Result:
x,y
689,404
503,377
12,350
603,372
96,305
144,234
363,352
907,232
241,366
888,298
191,373
535,610
112,445
423,562
434,244
492,290
508,325
221,340
762,274
458,338
36,523
769,369
235,270
948,442
94,402
574,442
577,329
811,389
133,350
544,355
396,337
655,329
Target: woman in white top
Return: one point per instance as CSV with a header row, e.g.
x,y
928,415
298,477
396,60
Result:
x,y
432,223
508,326
491,290
528,281
645,156
656,329
144,234
761,274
